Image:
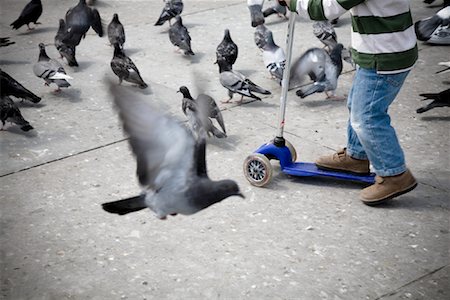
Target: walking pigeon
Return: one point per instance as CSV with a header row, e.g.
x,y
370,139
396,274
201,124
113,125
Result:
x,y
276,8
227,50
235,82
50,70
66,51
125,69
9,112
171,9
439,100
78,21
171,164
261,35
274,58
116,33
11,87
30,14
179,36
4,42
199,111
256,15
323,68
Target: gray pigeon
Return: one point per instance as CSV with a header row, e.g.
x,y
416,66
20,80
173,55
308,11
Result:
x,y
30,14
261,35
199,111
4,42
274,58
323,68
66,51
11,87
256,14
78,21
227,50
50,70
171,164
9,112
179,36
235,82
325,32
171,9
116,32
125,69
276,8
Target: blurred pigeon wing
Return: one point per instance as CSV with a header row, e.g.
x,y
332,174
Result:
x,y
311,63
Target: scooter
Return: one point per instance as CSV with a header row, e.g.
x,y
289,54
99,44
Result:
x,y
257,167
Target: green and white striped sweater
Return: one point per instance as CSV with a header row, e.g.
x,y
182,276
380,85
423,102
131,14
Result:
x,y
383,36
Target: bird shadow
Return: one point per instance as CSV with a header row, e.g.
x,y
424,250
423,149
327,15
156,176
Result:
x,y
195,59
435,118
82,65
13,62
39,30
320,103
14,129
134,88
73,95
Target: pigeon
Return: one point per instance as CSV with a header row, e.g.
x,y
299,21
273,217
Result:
x,y
116,33
199,111
276,8
261,35
125,69
235,82
9,112
227,50
4,42
324,31
30,13
78,21
274,58
439,100
11,87
50,70
66,51
256,15
426,27
171,9
323,68
179,36
171,164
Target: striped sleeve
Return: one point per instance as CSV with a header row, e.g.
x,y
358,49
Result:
x,y
321,10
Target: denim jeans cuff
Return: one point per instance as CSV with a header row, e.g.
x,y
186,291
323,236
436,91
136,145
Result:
x,y
353,154
391,172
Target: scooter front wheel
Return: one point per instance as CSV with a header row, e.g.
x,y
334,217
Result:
x,y
257,169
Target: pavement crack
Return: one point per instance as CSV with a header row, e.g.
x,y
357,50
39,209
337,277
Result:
x,y
409,283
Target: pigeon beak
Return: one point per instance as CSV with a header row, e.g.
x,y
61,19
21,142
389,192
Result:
x,y
215,63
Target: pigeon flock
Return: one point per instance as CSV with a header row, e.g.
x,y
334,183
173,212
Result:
x,y
173,176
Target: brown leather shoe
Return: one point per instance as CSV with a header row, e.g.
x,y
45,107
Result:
x,y
340,161
386,188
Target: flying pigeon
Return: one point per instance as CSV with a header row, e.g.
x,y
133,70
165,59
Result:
x,y
66,51
125,69
235,82
171,164
276,8
179,36
9,112
261,35
199,111
4,42
325,32
274,58
30,14
11,87
439,100
50,70
323,68
116,33
78,21
227,50
171,9
426,27
256,15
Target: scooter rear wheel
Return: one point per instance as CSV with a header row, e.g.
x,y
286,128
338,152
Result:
x,y
257,169
292,150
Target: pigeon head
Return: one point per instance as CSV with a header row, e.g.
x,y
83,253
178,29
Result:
x,y
42,54
117,51
116,17
226,188
185,91
216,191
227,36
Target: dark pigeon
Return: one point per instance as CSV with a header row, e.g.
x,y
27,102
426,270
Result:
x,y
227,50
441,99
30,14
276,8
9,112
261,36
179,36
66,51
171,164
125,69
116,32
4,42
256,14
274,58
323,68
50,70
199,111
172,8
11,87
235,82
78,21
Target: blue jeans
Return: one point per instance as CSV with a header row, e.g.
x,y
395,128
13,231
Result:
x,y
369,131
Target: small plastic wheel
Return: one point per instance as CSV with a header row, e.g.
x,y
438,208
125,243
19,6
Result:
x,y
292,150
257,169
